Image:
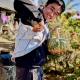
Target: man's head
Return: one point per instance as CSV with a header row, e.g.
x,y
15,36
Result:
x,y
53,8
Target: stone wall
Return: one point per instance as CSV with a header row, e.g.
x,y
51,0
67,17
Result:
x,y
7,73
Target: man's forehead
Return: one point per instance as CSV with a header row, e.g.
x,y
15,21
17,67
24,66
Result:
x,y
56,6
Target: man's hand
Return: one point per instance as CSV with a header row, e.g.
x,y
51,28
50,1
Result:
x,y
38,27
13,59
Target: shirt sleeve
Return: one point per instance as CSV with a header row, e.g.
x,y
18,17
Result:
x,y
27,11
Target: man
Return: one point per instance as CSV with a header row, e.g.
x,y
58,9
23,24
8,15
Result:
x,y
30,45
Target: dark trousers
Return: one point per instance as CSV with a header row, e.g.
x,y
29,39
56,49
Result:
x,y
29,74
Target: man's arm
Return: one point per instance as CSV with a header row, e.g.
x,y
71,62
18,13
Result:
x,y
27,11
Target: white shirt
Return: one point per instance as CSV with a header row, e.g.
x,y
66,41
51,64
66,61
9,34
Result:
x,y
27,40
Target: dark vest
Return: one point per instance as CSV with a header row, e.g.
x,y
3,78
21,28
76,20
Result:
x,y
36,57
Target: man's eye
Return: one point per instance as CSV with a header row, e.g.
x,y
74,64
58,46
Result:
x,y
52,9
57,13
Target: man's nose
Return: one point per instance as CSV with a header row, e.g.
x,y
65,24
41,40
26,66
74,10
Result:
x,y
51,15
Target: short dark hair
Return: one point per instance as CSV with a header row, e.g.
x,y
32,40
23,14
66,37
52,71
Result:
x,y
60,2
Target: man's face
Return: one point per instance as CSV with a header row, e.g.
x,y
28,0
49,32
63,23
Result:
x,y
51,11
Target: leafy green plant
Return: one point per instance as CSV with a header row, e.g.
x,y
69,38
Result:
x,y
75,45
72,77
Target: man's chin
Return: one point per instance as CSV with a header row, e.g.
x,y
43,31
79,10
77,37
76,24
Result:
x,y
49,20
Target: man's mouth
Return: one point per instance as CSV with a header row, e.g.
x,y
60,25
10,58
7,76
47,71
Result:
x,y
49,18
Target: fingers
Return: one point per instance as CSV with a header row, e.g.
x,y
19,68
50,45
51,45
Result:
x,y
41,23
38,27
13,59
